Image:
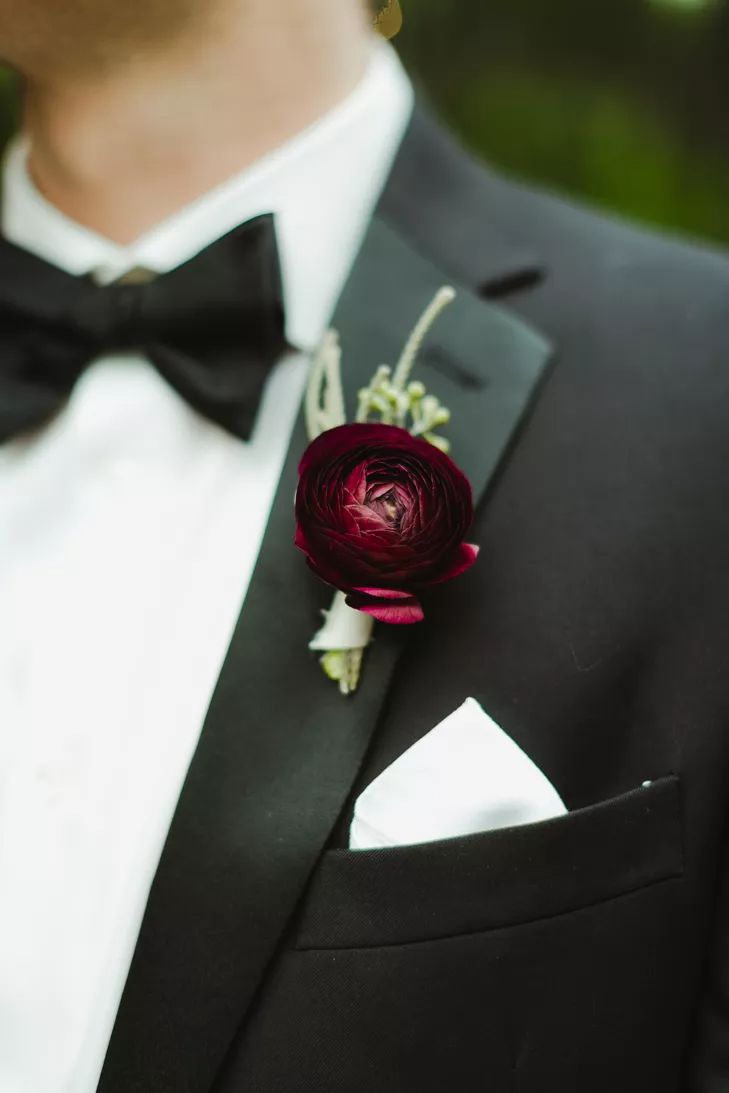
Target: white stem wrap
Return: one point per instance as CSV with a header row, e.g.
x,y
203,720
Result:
x,y
343,629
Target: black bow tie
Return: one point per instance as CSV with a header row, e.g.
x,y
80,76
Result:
x,y
213,327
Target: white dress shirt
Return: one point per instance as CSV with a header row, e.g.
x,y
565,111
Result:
x,y
129,528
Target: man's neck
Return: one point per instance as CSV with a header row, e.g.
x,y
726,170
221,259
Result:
x,y
121,152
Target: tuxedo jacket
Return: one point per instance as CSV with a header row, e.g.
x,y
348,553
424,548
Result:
x,y
586,365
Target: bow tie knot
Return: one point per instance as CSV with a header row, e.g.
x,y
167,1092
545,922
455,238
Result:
x,y
110,317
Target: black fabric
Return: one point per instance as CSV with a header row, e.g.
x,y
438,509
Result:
x,y
585,954
213,327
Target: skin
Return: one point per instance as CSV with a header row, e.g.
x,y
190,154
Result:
x,y
134,109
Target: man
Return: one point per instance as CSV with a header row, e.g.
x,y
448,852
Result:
x,y
182,906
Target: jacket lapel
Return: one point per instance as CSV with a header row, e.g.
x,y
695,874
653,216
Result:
x,y
280,748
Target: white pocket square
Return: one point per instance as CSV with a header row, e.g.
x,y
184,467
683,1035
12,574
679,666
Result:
x,y
465,776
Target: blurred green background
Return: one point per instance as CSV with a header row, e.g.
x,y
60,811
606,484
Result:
x,y
624,103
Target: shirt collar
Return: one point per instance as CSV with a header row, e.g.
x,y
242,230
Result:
x,y
322,186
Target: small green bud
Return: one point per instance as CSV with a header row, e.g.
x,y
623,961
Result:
x,y
438,442
334,665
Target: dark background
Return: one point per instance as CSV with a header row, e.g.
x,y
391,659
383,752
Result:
x,y
624,103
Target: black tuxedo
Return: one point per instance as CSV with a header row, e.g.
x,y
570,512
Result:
x,y
587,368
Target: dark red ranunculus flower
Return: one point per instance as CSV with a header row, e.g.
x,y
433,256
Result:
x,y
382,515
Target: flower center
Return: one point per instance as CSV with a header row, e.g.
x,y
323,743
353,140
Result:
x,y
384,501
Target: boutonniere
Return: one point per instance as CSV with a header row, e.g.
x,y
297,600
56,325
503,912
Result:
x,y
382,511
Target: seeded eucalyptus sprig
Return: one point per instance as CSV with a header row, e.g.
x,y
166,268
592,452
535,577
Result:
x,y
394,399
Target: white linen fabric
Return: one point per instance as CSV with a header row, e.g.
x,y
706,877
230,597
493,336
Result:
x,y
129,528
465,776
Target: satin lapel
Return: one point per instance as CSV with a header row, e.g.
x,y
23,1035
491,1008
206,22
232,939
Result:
x,y
281,748
484,364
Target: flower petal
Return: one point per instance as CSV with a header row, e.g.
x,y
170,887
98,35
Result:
x,y
463,559
385,593
398,612
402,608
300,539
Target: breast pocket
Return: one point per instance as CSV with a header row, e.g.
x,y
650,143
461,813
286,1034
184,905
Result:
x,y
501,878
